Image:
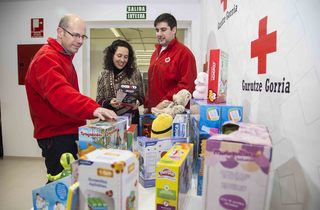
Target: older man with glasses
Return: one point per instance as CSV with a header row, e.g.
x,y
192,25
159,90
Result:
x,y
56,106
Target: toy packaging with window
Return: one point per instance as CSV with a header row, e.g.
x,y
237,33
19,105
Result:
x,y
173,178
151,150
211,116
236,168
145,123
180,126
106,134
108,180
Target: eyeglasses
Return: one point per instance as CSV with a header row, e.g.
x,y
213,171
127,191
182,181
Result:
x,y
75,35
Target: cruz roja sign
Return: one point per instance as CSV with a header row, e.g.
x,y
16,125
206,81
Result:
x,y
136,12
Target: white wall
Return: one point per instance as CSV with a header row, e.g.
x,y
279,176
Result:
x,y
293,118
15,29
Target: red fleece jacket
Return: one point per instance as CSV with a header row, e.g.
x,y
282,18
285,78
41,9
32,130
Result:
x,y
56,105
170,71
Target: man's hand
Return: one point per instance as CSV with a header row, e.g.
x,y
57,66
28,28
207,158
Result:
x,y
103,113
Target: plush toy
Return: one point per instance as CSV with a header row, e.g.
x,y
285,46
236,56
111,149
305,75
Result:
x,y
162,126
177,106
201,89
65,160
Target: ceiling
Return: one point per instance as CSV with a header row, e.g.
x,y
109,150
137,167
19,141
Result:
x,y
141,39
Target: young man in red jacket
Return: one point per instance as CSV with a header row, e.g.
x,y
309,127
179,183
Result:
x,y
56,106
172,65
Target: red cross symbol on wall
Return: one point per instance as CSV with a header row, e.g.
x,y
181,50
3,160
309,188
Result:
x,y
224,2
266,43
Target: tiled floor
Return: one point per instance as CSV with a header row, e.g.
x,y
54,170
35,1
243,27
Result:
x,y
18,176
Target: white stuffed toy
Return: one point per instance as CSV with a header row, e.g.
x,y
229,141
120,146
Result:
x,y
177,106
201,89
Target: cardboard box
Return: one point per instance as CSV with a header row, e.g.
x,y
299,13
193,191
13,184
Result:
x,y
108,180
217,76
145,123
236,169
106,134
52,195
211,116
132,134
173,178
180,126
151,150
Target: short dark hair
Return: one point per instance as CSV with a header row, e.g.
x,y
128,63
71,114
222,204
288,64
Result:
x,y
111,50
168,18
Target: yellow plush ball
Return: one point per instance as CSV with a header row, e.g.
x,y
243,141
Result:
x,y
162,126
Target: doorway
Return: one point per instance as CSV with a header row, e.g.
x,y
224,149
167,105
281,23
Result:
x,y
140,34
142,41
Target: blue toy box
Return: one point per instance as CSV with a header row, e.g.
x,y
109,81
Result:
x,y
212,116
51,196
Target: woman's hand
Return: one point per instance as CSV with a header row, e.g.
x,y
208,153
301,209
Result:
x,y
115,103
136,105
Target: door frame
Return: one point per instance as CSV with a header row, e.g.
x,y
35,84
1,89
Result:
x,y
120,24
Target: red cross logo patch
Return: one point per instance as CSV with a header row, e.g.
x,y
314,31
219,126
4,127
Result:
x,y
265,44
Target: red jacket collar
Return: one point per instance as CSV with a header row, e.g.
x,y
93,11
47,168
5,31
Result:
x,y
170,45
58,47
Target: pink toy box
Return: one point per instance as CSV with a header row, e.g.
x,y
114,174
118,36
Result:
x,y
236,168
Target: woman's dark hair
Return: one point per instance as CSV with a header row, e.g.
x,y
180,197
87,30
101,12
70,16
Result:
x,y
168,18
109,52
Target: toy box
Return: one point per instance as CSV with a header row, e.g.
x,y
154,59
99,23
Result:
x,y
200,163
236,169
212,116
145,123
73,197
217,76
180,126
52,196
108,180
107,134
151,150
173,178
132,134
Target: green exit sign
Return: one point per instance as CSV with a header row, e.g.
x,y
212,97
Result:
x,y
136,12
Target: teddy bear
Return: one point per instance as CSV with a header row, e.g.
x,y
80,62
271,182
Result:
x,y
201,89
177,106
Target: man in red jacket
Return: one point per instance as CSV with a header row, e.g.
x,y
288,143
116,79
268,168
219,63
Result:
x,y
172,65
56,106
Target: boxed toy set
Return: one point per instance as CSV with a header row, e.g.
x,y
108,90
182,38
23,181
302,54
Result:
x,y
151,150
180,126
132,133
108,180
106,134
52,196
212,116
173,178
217,76
145,123
236,168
